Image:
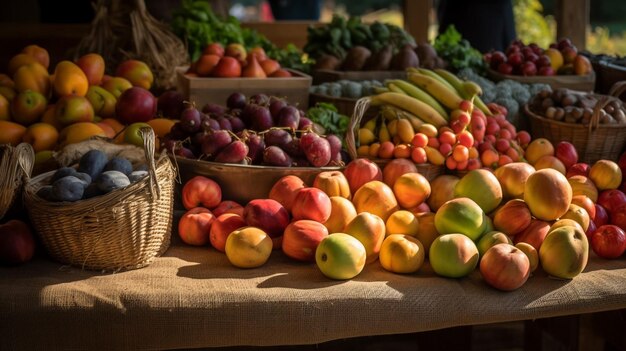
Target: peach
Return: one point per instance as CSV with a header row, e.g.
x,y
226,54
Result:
x,y
205,65
533,234
361,171
411,190
369,229
12,132
606,174
442,190
116,86
512,178
18,61
427,232
267,214
377,198
93,66
69,79
482,186
71,109
42,136
301,239
579,215
195,225
342,211
77,132
222,227
311,203
248,247
548,161
136,72
32,76
201,191
512,218
39,53
547,194
538,148
333,183
285,190
402,254
582,185
402,222
395,168
270,66
28,107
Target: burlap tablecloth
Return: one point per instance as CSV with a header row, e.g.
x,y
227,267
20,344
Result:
x,y
193,297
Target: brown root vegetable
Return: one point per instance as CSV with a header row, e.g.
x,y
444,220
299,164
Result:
x,y
329,62
404,59
356,58
381,60
426,53
559,114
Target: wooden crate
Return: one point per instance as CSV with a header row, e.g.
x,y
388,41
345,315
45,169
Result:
x,y
325,75
202,90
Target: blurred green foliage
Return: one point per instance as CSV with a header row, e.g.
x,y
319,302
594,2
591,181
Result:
x,y
530,23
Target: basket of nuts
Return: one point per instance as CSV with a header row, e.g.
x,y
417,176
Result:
x,y
595,124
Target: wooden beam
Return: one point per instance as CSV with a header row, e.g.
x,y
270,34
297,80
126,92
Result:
x,y
417,18
572,19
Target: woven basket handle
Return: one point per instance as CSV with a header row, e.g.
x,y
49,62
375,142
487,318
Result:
x,y
618,89
25,158
148,147
595,117
355,122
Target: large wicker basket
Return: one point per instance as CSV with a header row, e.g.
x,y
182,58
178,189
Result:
x,y
16,165
124,229
428,170
593,142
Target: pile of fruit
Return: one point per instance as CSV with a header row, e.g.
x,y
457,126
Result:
x,y
235,61
75,101
95,175
350,45
506,224
430,119
560,58
261,130
575,107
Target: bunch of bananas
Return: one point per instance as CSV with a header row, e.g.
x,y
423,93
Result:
x,y
425,102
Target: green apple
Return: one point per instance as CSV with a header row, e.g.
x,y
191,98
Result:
x,y
132,134
453,255
461,215
491,238
564,252
73,109
27,107
102,101
340,256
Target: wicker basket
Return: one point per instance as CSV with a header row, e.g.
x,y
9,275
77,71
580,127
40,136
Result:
x,y
16,164
593,142
428,170
124,229
574,82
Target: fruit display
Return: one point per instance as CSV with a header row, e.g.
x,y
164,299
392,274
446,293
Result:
x,y
430,118
346,88
197,25
560,58
576,107
261,130
79,103
351,45
235,61
94,175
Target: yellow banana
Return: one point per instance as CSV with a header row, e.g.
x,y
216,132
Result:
x,y
448,98
383,132
405,130
380,90
437,77
396,89
467,89
420,94
434,156
412,105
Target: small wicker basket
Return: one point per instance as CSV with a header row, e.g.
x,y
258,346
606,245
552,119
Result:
x,y
593,141
124,229
16,164
428,170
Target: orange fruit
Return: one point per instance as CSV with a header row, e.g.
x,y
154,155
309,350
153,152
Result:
x,y
78,132
402,151
386,149
38,53
108,130
12,132
161,126
18,61
538,148
42,136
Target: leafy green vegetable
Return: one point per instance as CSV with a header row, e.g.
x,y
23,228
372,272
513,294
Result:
x,y
326,115
196,24
457,51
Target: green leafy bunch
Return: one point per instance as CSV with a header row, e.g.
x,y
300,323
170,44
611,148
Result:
x,y
457,51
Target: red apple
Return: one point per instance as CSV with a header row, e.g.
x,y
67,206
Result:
x,y
578,169
311,203
546,71
566,152
602,216
268,215
17,244
618,217
564,43
227,67
590,230
543,61
505,68
531,57
622,163
136,105
301,239
534,234
222,227
228,206
284,191
361,171
194,226
505,267
497,57
608,241
611,199
515,59
201,191
236,51
214,49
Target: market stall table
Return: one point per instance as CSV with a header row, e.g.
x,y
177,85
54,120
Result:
x,y
193,297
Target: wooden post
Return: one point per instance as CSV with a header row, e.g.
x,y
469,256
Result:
x,y
417,18
572,19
